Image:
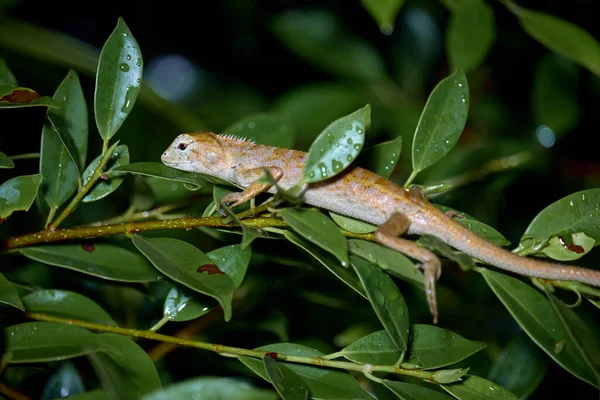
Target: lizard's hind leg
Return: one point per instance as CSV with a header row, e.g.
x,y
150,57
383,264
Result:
x,y
387,234
235,199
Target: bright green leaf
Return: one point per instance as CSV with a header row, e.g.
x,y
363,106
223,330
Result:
x,y
318,229
470,34
265,129
187,265
384,12
105,187
287,383
118,80
66,304
208,387
323,384
337,146
159,170
560,36
233,260
386,300
381,158
182,306
18,97
476,388
409,391
18,194
98,259
375,348
8,293
5,161
6,76
351,224
449,375
578,245
441,122
538,318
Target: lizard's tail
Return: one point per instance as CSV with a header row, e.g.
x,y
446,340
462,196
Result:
x,y
461,238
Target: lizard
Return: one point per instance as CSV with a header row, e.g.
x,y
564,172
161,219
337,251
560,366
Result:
x,y
357,193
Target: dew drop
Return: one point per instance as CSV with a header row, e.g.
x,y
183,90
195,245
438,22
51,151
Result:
x,y
130,94
128,57
124,67
323,168
357,146
251,125
359,131
336,165
350,141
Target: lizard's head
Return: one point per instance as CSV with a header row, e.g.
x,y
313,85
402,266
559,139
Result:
x,y
201,152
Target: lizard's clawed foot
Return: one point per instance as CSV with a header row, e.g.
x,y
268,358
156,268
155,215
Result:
x,y
232,200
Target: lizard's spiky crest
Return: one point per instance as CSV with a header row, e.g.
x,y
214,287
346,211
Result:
x,y
230,136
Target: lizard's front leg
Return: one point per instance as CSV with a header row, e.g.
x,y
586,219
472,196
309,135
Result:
x,y
255,188
387,234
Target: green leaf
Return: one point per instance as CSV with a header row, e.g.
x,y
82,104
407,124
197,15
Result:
x,y
8,293
476,388
555,95
66,304
64,142
441,122
208,387
375,348
465,261
381,158
470,34
265,129
320,230
182,306
577,212
187,265
409,391
105,187
233,260
483,230
19,97
98,259
18,194
384,12
118,80
323,384
395,263
319,38
337,146
560,36
346,275
520,367
161,171
538,318
386,300
432,347
569,248
6,76
123,367
351,224
287,383
5,161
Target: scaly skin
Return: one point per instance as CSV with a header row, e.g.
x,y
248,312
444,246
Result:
x,y
356,193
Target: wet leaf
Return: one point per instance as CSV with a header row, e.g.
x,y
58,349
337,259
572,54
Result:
x,y
5,161
104,187
265,129
159,170
66,304
346,275
381,158
465,261
8,293
409,391
384,12
470,34
395,263
232,260
337,146
483,230
560,36
208,387
318,229
432,347
287,383
386,300
577,212
104,261
319,38
441,122
323,384
181,262
476,388
537,317
64,142
351,224
18,194
569,248
118,80
19,97
6,76
184,306
375,348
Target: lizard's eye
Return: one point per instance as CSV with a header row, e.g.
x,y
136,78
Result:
x,y
182,146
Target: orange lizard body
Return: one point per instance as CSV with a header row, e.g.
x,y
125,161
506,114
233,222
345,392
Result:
x,y
359,194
